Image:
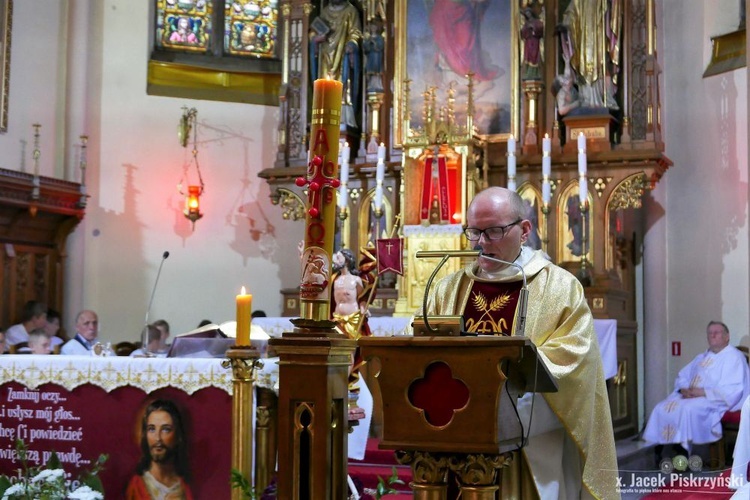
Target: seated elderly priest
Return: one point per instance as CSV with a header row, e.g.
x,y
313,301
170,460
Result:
x,y
716,381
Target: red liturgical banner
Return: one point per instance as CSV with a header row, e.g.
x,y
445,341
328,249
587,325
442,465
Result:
x,y
390,255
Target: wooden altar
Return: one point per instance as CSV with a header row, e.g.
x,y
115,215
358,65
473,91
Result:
x,y
414,101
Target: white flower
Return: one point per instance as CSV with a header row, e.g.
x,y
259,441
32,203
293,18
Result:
x,y
85,493
48,476
16,489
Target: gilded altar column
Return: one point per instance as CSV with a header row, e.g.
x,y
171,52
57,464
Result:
x,y
243,361
531,90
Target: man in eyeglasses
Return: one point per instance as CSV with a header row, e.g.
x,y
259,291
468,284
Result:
x,y
570,453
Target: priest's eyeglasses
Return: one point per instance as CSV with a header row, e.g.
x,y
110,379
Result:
x,y
491,233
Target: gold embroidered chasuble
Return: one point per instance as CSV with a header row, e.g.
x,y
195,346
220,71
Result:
x,y
560,324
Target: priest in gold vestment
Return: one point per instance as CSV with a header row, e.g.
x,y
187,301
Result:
x,y
571,452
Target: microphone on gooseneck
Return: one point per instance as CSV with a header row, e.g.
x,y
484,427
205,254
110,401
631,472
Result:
x,y
153,292
523,295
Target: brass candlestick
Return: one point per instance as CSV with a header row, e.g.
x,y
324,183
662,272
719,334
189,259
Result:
x,y
243,361
545,230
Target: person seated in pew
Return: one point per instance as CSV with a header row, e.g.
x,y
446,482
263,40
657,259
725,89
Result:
x,y
39,342
714,382
571,451
163,327
153,344
33,316
57,338
87,331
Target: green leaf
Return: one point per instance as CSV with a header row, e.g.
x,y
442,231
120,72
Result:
x,y
239,481
53,462
4,484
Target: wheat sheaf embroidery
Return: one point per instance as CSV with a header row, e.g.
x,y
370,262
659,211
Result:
x,y
480,303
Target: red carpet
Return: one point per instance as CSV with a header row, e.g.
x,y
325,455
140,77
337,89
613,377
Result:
x,y
380,463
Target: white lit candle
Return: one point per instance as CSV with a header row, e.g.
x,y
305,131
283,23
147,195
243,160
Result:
x,y
381,151
379,176
546,158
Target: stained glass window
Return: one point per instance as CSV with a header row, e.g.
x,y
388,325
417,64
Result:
x,y
250,28
184,25
221,50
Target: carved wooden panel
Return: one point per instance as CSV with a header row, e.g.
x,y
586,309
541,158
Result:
x,y
36,216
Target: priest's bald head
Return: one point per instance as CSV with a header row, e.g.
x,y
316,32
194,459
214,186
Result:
x,y
496,223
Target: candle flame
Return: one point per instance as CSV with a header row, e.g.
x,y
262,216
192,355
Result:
x,y
243,291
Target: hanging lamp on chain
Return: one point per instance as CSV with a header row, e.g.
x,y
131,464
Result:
x,y
192,209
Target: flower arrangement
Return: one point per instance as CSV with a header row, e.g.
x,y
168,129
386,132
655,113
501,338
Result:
x,y
49,482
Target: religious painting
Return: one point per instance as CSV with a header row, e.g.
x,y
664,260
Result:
x,y
439,42
6,24
573,229
532,200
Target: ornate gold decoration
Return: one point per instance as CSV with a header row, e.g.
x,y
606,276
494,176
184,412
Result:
x,y
243,369
290,202
622,373
478,469
243,362
600,184
426,467
629,192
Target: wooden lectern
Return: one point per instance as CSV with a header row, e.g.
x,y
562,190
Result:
x,y
449,404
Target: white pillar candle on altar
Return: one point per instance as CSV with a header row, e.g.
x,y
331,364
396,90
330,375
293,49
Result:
x,y
344,173
379,176
582,167
344,176
512,163
381,151
546,158
583,192
378,197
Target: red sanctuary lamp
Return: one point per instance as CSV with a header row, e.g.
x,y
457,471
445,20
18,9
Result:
x,y
193,203
188,123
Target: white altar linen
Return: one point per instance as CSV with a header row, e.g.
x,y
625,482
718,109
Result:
x,y
111,372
